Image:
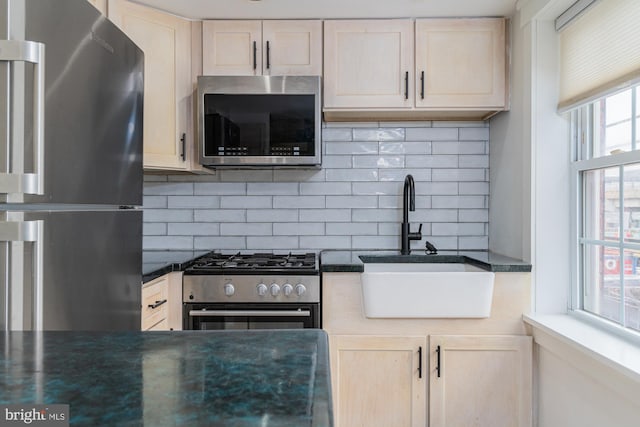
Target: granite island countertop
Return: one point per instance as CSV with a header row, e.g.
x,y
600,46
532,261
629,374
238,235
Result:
x,y
352,261
277,378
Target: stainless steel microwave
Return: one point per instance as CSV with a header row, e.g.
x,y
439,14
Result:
x,y
252,121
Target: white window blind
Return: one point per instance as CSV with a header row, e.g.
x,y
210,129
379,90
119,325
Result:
x,y
599,52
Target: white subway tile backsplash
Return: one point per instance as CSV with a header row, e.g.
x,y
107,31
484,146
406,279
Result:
x,y
353,201
193,229
383,134
246,229
151,202
459,202
168,188
325,215
272,215
351,175
219,243
193,202
273,188
219,215
351,228
219,188
299,229
431,161
272,243
379,162
337,134
247,202
350,148
431,134
167,242
377,188
296,202
405,147
474,134
325,188
473,161
321,242
167,215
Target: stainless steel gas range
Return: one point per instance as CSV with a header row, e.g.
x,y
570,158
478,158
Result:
x,y
252,291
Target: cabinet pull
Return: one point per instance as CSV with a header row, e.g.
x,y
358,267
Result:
x,y
422,85
438,361
255,53
406,85
268,62
157,304
183,142
420,362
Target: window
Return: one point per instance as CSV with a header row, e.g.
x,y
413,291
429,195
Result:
x,y
607,175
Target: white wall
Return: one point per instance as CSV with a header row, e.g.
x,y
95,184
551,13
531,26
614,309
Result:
x,y
574,390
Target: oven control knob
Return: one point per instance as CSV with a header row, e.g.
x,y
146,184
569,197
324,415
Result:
x,y
275,289
287,289
229,289
262,289
300,289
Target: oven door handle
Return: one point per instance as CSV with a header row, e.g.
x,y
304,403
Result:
x,y
254,313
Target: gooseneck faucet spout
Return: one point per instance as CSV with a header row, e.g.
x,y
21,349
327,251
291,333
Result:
x,y
408,204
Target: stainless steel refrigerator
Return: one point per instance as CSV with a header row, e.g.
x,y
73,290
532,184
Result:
x,y
71,90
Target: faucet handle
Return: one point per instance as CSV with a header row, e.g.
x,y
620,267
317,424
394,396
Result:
x,y
420,230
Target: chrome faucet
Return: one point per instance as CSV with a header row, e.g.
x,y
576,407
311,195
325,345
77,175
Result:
x,y
408,204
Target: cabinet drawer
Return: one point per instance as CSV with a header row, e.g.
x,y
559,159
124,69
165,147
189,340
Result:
x,y
154,310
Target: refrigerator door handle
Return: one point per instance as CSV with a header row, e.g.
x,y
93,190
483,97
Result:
x,y
30,231
33,52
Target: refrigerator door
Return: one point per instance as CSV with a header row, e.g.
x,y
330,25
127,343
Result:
x,y
88,112
71,270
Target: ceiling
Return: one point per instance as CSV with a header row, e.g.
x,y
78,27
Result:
x,y
287,9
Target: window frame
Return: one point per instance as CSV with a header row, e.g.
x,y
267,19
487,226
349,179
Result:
x,y
581,138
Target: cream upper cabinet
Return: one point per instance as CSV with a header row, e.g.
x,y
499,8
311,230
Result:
x,y
482,381
426,69
460,63
262,47
378,381
368,63
166,43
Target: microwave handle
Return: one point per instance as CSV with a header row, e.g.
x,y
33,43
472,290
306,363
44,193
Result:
x,y
254,313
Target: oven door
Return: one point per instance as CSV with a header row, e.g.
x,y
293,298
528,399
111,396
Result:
x,y
250,316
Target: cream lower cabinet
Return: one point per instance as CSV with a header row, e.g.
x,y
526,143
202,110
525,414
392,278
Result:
x,y
480,381
166,42
378,381
458,380
161,308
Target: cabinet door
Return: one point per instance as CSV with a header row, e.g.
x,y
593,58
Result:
x,y
166,43
460,63
292,48
482,381
378,381
368,64
232,48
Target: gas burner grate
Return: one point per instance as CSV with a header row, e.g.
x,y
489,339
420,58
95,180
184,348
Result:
x,y
239,263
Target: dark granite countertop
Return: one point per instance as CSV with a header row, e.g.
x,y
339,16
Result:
x,y
276,378
156,263
354,260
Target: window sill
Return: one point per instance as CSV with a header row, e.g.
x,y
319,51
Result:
x,y
596,344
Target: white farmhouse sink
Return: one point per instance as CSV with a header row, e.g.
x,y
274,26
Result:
x,y
426,290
